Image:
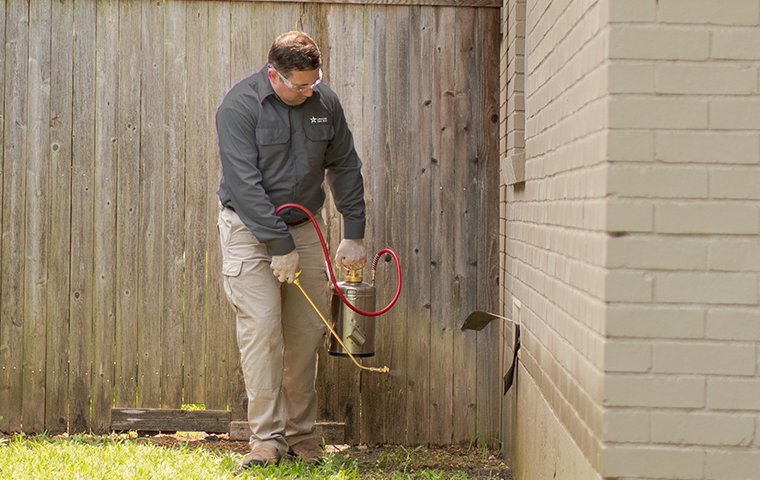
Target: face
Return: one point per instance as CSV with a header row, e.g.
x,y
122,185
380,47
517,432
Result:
x,y
297,88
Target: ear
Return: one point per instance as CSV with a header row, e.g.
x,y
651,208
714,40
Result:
x,y
271,74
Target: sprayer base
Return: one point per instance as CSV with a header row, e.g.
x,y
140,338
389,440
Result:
x,y
358,355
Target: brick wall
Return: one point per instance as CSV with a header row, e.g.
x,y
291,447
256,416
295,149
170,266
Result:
x,y
682,383
632,246
554,233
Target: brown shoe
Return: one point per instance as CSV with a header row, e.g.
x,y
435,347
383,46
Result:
x,y
310,451
260,455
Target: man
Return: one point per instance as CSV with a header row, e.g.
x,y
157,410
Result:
x,y
280,131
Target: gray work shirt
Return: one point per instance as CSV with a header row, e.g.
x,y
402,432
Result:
x,y
272,153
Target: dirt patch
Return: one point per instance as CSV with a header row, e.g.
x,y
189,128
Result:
x,y
476,463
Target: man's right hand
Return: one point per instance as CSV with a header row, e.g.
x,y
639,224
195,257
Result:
x,y
284,267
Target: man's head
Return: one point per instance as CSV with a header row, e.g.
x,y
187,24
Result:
x,y
294,67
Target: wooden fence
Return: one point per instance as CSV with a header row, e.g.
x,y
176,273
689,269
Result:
x,y
110,290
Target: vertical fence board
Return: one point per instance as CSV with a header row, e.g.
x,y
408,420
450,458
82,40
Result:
x,y
59,236
373,386
241,40
14,164
128,211
220,319
104,315
443,251
417,262
174,102
152,184
486,94
398,216
35,272
463,207
197,202
338,377
82,227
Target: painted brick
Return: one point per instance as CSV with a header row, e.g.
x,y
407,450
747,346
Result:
x,y
708,147
658,43
631,77
704,217
655,321
706,288
733,324
627,11
733,394
626,425
657,252
648,112
704,358
627,145
735,254
627,356
657,181
737,114
738,183
661,391
732,464
652,462
723,12
629,216
736,44
714,79
693,428
622,286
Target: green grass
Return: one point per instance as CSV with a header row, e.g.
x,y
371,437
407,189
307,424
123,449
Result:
x,y
128,457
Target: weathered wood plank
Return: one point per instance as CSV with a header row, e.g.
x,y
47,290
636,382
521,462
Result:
x,y
331,433
241,39
59,237
128,205
444,307
464,210
197,201
338,378
374,387
36,218
398,216
104,313
163,419
220,320
486,94
417,258
432,3
15,151
174,102
152,184
82,225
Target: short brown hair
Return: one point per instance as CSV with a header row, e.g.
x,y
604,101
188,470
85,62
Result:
x,y
294,50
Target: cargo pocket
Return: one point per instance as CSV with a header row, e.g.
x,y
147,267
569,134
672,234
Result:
x,y
231,268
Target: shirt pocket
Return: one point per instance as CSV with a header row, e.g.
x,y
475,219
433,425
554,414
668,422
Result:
x,y
272,137
318,137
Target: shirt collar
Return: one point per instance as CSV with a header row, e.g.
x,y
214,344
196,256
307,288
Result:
x,y
261,80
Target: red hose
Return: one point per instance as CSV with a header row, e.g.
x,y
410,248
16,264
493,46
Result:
x,y
329,268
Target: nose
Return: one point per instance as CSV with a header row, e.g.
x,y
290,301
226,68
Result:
x,y
307,92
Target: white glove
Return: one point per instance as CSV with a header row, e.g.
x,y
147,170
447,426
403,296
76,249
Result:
x,y
284,267
351,254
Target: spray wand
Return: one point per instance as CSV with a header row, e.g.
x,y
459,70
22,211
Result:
x,y
339,292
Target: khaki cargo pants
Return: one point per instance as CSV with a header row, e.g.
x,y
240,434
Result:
x,y
278,332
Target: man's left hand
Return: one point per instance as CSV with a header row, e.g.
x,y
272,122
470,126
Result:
x,y
351,254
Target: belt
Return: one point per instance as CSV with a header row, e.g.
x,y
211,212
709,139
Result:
x,y
297,222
